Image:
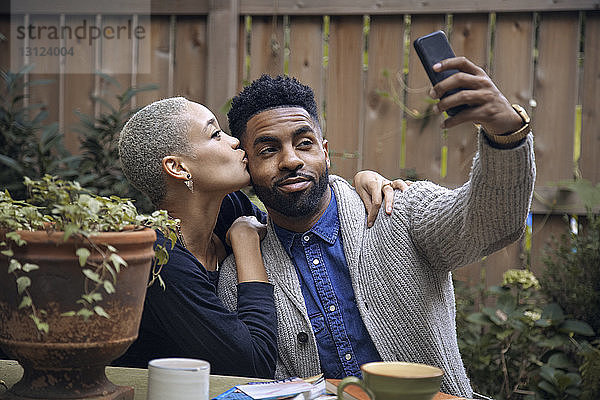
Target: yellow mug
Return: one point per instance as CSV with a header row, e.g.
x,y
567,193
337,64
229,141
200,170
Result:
x,y
396,381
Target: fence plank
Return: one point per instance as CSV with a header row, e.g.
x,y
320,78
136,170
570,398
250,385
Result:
x,y
78,86
555,91
266,47
116,61
306,53
423,139
221,70
159,61
47,94
5,44
383,118
590,133
512,68
373,7
344,81
241,55
469,38
190,63
544,228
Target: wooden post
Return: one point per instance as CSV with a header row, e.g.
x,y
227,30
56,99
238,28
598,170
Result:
x,y
221,82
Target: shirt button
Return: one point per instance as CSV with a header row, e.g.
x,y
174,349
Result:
x,y
348,356
316,261
332,308
302,337
306,238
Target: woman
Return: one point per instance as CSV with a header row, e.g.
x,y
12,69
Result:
x,y
174,151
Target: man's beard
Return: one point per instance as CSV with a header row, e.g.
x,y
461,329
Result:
x,y
297,204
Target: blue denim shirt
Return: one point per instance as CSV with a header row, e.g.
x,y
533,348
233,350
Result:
x,y
342,338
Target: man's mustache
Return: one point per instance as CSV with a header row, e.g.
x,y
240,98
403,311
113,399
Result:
x,y
294,175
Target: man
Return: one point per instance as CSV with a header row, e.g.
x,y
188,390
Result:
x,y
345,294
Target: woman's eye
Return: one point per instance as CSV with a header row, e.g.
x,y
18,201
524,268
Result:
x,y
216,134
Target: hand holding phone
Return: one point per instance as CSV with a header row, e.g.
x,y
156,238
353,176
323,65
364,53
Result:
x,y
432,49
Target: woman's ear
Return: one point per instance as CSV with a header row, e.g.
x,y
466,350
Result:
x,y
174,167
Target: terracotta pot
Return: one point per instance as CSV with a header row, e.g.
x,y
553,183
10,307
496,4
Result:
x,y
69,361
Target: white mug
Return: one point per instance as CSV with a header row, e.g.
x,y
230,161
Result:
x,y
178,379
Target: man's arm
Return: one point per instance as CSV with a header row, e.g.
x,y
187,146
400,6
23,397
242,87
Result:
x,y
455,227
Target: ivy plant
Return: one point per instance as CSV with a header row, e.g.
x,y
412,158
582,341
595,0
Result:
x,y
56,205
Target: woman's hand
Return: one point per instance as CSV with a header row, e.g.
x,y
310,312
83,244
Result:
x,y
372,188
244,237
243,227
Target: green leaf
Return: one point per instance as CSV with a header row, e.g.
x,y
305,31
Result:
x,y
548,373
25,302
117,261
30,267
68,314
15,237
23,282
478,318
548,388
577,327
554,313
92,275
40,325
7,253
13,266
100,311
559,360
83,255
108,287
85,313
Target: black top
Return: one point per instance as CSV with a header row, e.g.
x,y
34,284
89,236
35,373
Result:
x,y
187,319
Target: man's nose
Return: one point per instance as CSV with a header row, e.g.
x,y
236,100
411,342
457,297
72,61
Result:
x,y
289,160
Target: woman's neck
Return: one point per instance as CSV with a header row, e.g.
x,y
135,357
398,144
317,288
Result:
x,y
198,215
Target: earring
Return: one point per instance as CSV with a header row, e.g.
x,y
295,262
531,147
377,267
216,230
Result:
x,y
189,183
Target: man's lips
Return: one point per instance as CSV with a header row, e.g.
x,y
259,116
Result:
x,y
294,184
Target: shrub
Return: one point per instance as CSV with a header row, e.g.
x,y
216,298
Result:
x,y
100,166
515,344
28,146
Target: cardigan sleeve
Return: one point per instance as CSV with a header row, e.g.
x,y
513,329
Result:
x,y
455,227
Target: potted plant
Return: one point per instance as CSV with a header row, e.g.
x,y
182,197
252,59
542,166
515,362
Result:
x,y
73,275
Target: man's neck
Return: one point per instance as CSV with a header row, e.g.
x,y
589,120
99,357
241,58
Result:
x,y
302,223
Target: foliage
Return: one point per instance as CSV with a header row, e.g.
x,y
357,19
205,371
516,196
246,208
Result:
x,y
56,205
590,371
100,167
514,343
572,276
27,144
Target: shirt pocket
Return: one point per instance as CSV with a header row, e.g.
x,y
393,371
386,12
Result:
x,y
330,364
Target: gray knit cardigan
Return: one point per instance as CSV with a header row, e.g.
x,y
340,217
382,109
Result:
x,y
400,268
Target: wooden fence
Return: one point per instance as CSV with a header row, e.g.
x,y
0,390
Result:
x,y
543,55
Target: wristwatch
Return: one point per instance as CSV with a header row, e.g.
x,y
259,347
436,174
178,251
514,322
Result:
x,y
511,138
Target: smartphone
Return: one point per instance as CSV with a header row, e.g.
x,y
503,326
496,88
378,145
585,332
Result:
x,y
432,49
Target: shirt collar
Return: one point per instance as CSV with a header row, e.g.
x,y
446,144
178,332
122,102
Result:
x,y
327,227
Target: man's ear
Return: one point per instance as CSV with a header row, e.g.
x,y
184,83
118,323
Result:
x,y
326,151
174,167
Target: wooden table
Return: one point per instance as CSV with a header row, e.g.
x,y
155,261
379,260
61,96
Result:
x,y
11,372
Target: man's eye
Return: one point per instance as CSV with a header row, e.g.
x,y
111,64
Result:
x,y
216,134
305,143
267,150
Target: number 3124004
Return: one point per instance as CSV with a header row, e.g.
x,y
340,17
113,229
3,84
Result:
x,y
46,51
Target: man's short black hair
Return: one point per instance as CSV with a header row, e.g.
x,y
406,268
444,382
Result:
x,y
267,93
